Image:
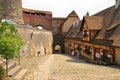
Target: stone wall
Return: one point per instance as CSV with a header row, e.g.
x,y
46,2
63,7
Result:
x,y
35,41
56,25
12,9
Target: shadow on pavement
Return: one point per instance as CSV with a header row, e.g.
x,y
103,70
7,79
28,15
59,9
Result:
x,y
82,60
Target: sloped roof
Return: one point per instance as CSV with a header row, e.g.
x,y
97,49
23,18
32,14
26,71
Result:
x,y
73,14
109,16
69,20
75,29
116,36
36,11
114,25
111,25
94,22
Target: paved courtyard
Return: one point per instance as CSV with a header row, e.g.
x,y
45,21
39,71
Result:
x,y
63,67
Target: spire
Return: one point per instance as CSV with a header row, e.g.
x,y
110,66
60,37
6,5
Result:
x,y
117,3
87,14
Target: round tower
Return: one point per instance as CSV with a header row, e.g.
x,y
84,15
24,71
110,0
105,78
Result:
x,y
12,10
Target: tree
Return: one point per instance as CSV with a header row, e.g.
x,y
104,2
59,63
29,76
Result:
x,y
10,42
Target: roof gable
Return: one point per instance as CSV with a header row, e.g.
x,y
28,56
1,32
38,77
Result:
x,y
93,22
73,14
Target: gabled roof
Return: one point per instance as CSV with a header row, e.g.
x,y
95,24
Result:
x,y
111,25
36,11
114,25
75,29
73,14
94,22
69,20
116,36
110,17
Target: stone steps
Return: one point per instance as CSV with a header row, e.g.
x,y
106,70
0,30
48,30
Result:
x,y
21,74
10,66
13,72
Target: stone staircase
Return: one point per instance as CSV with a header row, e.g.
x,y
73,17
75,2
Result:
x,y
15,72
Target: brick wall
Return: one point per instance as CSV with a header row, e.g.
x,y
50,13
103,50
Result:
x,y
41,20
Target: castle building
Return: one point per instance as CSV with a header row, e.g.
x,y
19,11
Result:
x,y
98,37
35,40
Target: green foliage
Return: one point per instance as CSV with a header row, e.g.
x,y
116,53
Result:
x,y
1,71
10,41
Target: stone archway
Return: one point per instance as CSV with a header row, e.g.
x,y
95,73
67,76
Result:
x,y
57,49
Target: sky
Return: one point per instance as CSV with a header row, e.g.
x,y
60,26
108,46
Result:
x,y
61,8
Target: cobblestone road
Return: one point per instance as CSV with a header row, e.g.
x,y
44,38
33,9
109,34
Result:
x,y
62,67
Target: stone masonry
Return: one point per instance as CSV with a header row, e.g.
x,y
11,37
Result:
x,y
64,67
36,42
12,9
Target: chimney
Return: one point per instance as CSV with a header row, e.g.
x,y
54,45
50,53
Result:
x,y
117,3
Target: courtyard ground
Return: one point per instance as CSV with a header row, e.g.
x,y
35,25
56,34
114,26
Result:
x,y
63,67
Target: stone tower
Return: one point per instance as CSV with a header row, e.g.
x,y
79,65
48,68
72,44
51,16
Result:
x,y
117,3
12,10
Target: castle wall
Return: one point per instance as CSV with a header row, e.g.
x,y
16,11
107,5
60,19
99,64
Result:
x,y
12,9
56,25
35,41
38,20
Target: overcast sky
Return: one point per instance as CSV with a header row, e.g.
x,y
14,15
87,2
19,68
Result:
x,y
61,8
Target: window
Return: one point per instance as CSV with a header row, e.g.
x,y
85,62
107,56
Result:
x,y
85,33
